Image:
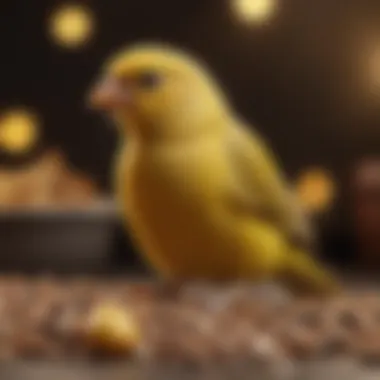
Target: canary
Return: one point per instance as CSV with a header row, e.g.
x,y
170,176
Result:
x,y
200,191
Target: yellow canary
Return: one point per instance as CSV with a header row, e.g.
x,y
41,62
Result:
x,y
199,190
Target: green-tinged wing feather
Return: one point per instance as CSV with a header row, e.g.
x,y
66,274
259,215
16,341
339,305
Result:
x,y
261,188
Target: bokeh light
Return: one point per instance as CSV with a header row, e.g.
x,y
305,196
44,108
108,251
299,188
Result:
x,y
374,67
254,11
18,130
316,189
71,25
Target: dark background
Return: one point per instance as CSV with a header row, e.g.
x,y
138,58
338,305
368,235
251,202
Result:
x,y
298,80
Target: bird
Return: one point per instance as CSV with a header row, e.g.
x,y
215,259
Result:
x,y
198,188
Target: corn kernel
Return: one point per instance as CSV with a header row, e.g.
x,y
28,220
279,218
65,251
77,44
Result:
x,y
113,330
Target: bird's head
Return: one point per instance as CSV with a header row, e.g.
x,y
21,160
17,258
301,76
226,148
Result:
x,y
156,91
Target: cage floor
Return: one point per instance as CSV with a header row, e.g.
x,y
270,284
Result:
x,y
204,332
321,370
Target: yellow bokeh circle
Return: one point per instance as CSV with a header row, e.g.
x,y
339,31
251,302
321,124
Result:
x,y
18,130
254,11
316,189
71,25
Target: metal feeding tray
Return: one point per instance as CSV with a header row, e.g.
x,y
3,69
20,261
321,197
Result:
x,y
58,240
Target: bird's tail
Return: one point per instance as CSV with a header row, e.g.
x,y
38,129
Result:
x,y
304,275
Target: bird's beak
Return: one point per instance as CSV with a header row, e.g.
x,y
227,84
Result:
x,y
108,95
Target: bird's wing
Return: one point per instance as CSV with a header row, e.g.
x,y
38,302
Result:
x,y
260,188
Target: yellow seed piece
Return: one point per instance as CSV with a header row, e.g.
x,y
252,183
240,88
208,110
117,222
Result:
x,y
113,330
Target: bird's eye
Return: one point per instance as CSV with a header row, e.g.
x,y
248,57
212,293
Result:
x,y
149,80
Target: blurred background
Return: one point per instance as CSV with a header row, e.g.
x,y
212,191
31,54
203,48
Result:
x,y
305,73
